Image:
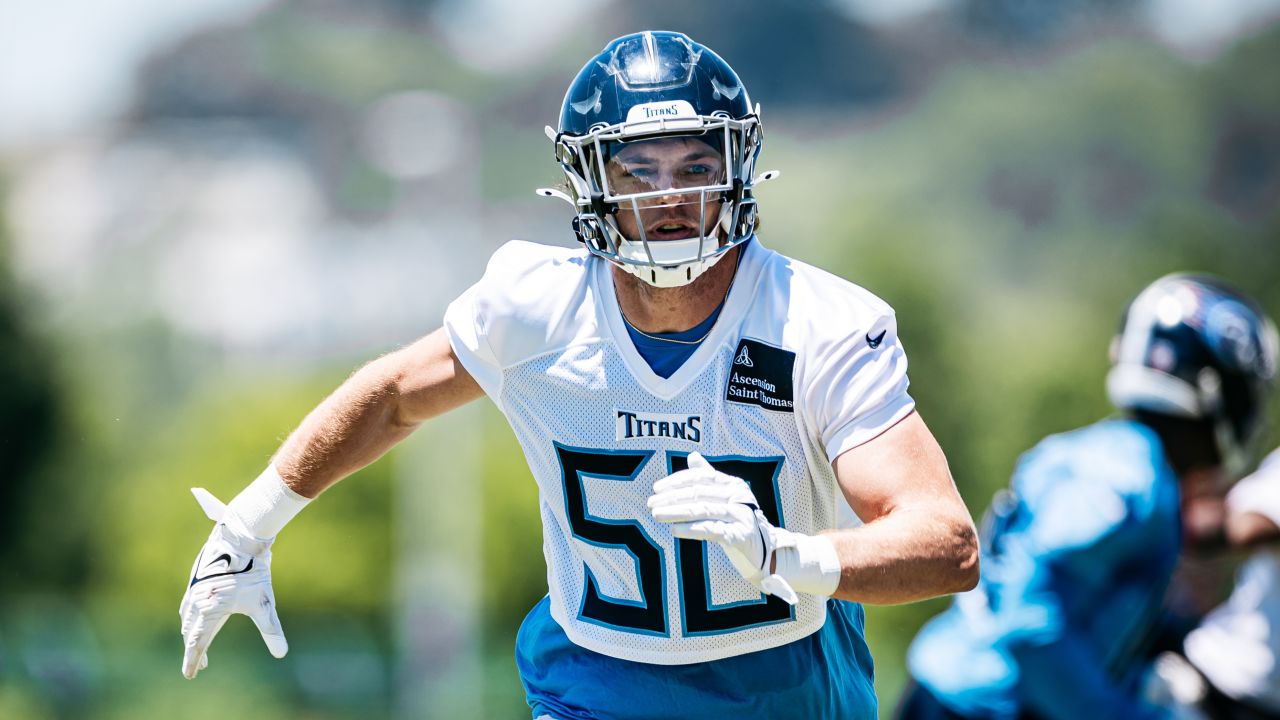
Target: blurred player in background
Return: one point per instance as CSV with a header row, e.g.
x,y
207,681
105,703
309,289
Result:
x,y
696,409
1229,668
1078,553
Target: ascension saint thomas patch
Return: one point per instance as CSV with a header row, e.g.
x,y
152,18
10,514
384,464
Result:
x,y
761,375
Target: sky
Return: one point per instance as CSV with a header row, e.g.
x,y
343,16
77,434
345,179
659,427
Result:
x,y
68,64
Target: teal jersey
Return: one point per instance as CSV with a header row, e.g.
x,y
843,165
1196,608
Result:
x,y
1076,560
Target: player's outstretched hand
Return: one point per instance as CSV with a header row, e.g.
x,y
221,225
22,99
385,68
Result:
x,y
232,574
702,503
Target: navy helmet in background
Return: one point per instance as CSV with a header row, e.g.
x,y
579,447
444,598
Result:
x,y
1192,346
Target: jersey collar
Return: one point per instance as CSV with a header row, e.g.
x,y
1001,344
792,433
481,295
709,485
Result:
x,y
724,332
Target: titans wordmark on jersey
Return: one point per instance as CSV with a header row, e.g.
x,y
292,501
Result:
x,y
799,367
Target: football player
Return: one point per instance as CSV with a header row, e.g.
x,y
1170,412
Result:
x,y
1077,555
1228,667
697,410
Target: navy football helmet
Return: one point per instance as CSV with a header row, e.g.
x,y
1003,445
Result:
x,y
658,142
1192,346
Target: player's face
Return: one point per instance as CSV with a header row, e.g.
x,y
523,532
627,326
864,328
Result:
x,y
671,166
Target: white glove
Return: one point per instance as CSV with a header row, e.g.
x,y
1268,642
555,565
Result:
x,y
232,574
702,503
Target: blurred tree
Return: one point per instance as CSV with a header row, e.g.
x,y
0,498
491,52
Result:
x,y
31,425
822,58
1033,23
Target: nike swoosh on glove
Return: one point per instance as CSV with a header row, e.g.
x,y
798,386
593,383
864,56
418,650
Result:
x,y
702,503
232,574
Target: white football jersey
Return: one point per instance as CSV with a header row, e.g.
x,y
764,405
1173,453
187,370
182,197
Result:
x,y
799,367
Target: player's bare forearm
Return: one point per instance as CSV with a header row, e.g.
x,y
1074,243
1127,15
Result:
x,y
918,540
908,555
377,407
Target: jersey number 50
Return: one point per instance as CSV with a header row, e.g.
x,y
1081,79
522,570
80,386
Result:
x,y
649,614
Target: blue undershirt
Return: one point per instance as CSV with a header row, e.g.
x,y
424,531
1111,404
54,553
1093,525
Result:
x,y
666,357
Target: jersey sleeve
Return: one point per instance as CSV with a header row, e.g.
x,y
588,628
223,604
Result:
x,y
1260,492
531,299
479,321
465,322
1081,518
859,389
1094,499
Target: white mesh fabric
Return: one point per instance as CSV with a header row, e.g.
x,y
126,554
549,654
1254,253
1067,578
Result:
x,y
544,331
543,400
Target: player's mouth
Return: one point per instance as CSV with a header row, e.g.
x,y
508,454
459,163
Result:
x,y
671,229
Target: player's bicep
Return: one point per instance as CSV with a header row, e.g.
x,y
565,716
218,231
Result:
x,y
430,379
901,468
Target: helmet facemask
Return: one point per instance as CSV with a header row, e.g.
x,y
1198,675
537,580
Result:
x,y
665,198
649,92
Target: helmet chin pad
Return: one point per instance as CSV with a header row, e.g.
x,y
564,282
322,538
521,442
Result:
x,y
669,262
675,262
